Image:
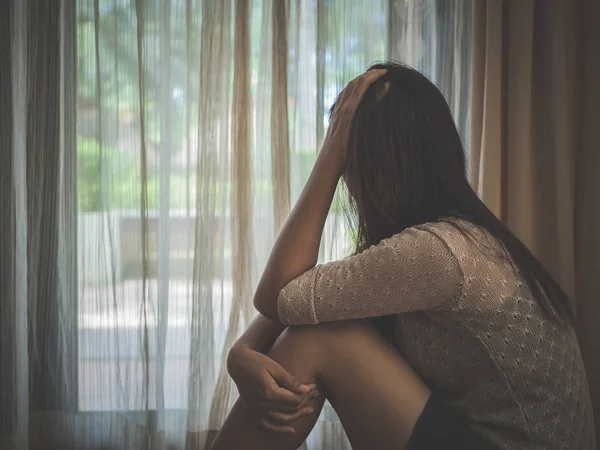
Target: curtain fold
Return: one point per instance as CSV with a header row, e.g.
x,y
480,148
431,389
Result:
x,y
8,355
47,347
149,153
280,145
17,303
211,307
533,141
587,209
241,207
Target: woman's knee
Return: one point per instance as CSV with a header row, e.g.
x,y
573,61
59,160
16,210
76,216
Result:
x,y
326,340
306,351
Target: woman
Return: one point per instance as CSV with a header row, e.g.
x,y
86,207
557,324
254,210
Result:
x,y
473,345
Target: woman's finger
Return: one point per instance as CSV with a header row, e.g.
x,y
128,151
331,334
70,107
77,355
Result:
x,y
284,407
281,407
314,394
267,425
278,394
288,382
368,78
351,95
363,83
343,97
288,419
354,96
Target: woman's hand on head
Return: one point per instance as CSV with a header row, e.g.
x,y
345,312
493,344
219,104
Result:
x,y
336,139
274,397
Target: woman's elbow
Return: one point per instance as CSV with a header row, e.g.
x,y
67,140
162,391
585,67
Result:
x,y
258,304
266,305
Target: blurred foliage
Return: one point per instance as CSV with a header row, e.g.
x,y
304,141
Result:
x,y
109,178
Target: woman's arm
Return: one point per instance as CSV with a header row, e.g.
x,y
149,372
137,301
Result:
x,y
274,397
260,335
267,389
297,247
414,270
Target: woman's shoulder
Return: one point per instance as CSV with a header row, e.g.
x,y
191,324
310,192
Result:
x,y
451,228
464,238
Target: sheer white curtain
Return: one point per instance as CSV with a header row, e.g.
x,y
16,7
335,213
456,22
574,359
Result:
x,y
150,151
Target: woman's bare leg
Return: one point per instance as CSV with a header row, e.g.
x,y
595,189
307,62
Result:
x,y
376,394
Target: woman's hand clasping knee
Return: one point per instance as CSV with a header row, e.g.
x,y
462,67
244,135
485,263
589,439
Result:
x,y
273,396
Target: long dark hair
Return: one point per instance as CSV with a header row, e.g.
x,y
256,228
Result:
x,y
405,165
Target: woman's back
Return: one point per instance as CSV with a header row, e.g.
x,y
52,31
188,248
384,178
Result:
x,y
496,357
